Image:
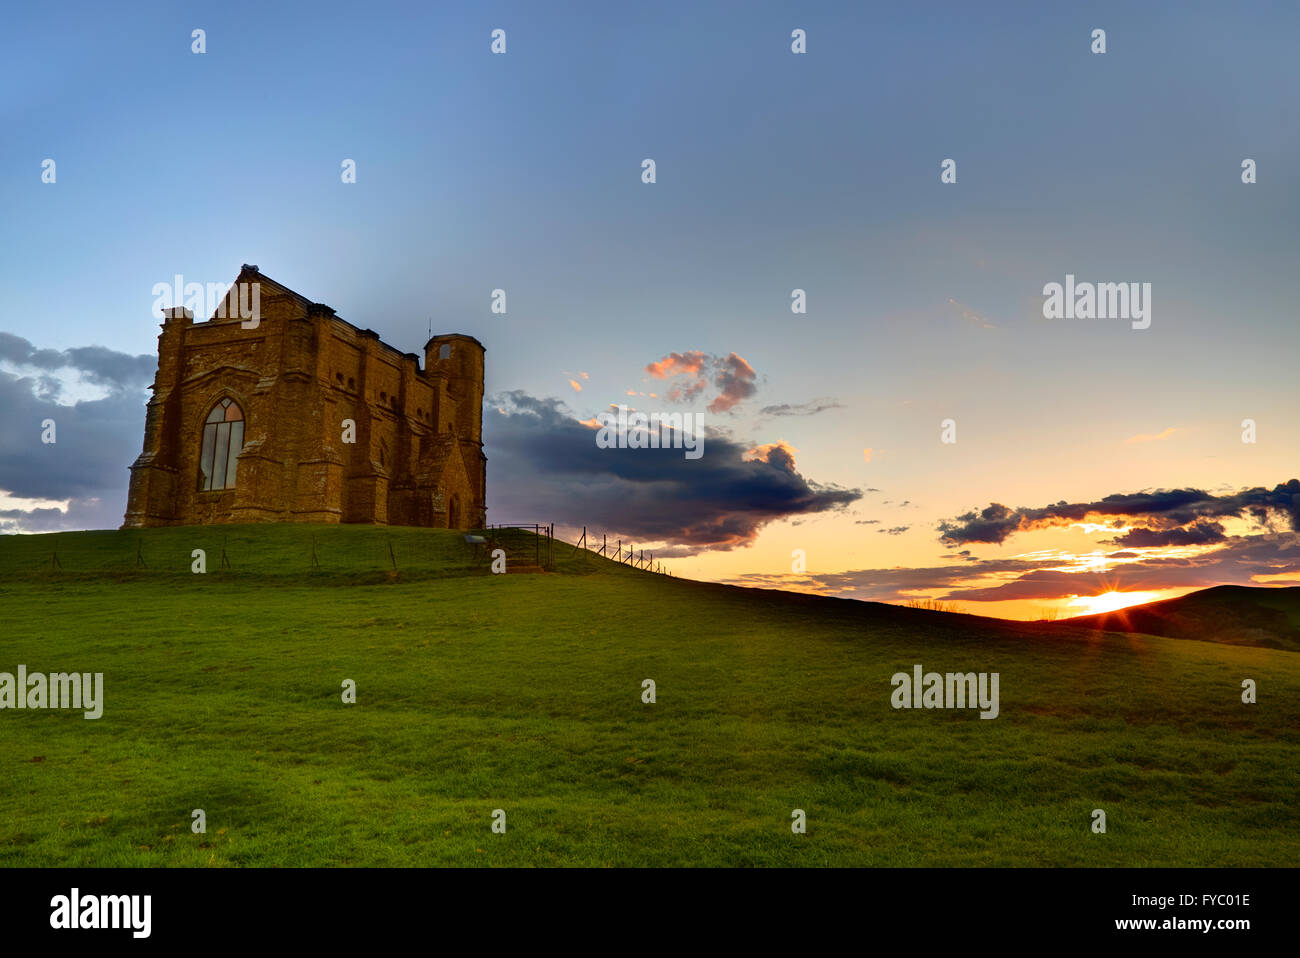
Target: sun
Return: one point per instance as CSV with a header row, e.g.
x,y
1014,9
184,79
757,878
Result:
x,y
1109,601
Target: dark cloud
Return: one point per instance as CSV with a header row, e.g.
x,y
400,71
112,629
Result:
x,y
810,408
113,370
895,531
545,466
992,524
104,367
1161,510
1198,533
96,440
867,522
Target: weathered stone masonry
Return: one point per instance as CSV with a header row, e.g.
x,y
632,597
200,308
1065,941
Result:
x,y
417,458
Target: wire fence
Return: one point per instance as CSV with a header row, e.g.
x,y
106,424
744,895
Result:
x,y
637,558
525,540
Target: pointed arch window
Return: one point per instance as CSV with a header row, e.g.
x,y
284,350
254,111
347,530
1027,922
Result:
x,y
223,440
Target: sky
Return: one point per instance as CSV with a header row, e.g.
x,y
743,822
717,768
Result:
x,y
824,465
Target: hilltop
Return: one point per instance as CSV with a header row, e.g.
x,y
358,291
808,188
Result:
x,y
1231,614
477,692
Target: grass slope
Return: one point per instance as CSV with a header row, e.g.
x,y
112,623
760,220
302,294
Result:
x,y
1232,614
477,692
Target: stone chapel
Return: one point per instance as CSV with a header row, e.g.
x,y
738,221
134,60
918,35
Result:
x,y
303,417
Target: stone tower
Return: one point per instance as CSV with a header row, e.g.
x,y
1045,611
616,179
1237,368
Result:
x,y
458,362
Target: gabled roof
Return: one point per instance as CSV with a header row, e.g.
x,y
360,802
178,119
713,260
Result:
x,y
249,273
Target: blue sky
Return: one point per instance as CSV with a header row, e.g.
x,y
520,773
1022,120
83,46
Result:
x,y
775,171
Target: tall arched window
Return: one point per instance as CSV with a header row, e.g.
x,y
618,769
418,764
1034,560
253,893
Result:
x,y
223,440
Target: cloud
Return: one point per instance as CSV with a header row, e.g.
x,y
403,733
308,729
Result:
x,y
992,524
1159,519
896,531
779,451
1162,509
1241,560
678,364
577,386
1245,560
110,371
736,382
96,440
810,408
732,375
866,454
1201,532
886,585
970,316
1152,437
546,466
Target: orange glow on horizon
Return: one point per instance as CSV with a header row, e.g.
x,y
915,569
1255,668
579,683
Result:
x,y
1110,601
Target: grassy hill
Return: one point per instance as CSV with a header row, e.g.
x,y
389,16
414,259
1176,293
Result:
x,y
523,692
1232,614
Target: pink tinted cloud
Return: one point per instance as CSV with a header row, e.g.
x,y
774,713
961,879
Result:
x,y
677,364
734,378
736,381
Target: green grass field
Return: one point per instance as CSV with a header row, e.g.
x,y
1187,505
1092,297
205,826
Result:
x,y
523,692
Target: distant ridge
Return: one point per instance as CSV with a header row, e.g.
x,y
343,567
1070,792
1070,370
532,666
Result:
x,y
1228,614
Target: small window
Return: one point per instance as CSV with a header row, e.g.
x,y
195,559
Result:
x,y
444,351
383,397
352,383
395,406
339,377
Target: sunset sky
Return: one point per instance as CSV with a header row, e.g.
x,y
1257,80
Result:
x,y
1090,457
